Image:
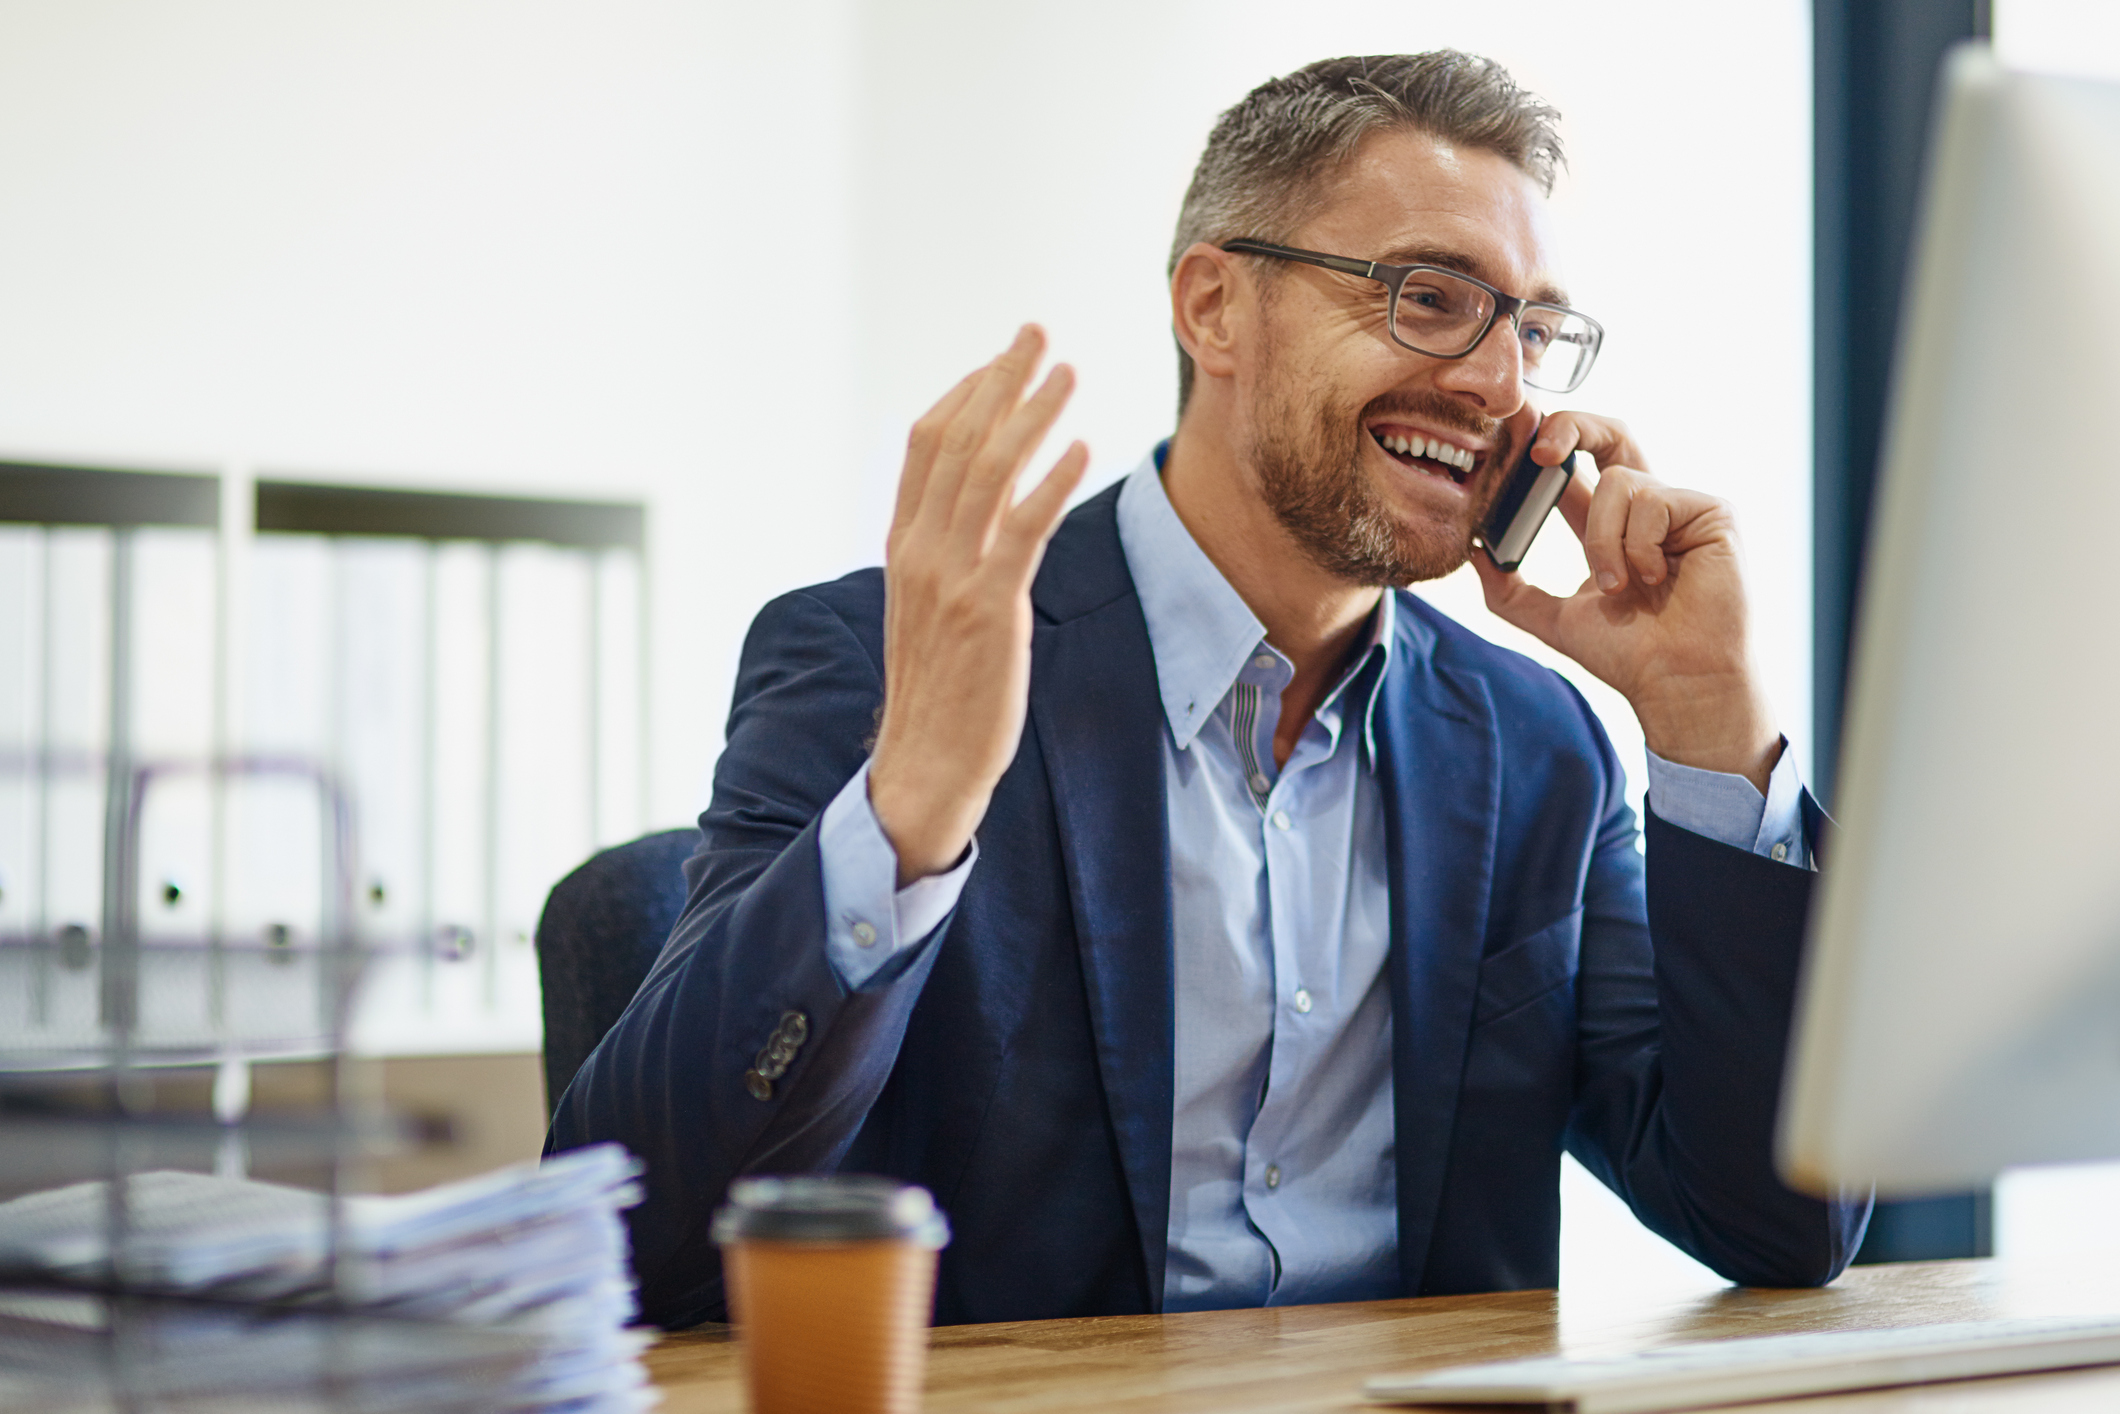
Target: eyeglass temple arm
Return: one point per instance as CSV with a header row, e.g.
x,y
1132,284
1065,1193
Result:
x,y
1366,269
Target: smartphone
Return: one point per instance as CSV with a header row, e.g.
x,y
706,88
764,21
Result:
x,y
1532,491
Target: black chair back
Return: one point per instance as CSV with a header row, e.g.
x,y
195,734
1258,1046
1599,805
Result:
x,y
601,931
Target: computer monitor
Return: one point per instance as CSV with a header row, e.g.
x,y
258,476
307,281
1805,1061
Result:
x,y
1960,1009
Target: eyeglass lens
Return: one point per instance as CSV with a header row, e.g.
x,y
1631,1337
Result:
x,y
1443,315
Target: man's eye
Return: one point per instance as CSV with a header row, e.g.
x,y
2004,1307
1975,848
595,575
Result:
x,y
1429,303
1537,337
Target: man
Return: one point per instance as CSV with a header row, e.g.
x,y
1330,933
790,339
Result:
x,y
1206,921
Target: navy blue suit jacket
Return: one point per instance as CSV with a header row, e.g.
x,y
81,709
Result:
x,y
1020,1067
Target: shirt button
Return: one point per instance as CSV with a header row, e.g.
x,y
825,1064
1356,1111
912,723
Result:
x,y
1259,783
865,935
1281,820
1303,1000
1273,1176
1264,660
1781,853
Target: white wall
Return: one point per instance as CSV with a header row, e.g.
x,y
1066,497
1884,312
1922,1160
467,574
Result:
x,y
2080,37
467,243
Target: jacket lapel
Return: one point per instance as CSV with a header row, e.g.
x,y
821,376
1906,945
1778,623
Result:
x,y
1439,760
1094,706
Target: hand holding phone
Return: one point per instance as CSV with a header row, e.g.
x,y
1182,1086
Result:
x,y
1530,494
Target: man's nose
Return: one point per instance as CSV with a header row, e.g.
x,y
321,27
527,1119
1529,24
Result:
x,y
1492,375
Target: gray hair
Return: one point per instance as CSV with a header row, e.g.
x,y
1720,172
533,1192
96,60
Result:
x,y
1270,161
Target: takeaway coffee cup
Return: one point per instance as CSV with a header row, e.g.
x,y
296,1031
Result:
x,y
831,1281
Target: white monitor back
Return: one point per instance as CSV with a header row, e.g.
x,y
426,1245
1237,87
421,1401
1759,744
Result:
x,y
1961,1001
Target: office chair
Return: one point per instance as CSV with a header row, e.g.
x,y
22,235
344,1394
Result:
x,y
602,929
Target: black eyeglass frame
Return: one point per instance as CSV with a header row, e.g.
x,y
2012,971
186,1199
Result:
x,y
1394,277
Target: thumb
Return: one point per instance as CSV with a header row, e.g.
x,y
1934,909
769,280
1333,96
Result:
x,y
1518,602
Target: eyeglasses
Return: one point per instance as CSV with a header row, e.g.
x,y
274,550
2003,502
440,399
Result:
x,y
1445,314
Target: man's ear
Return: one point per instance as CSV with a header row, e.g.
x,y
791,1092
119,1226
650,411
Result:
x,y
1204,292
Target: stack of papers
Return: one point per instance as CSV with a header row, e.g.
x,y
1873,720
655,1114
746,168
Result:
x,y
66,1354
510,1291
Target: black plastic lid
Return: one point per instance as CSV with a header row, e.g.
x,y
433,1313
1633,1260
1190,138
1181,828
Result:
x,y
829,1208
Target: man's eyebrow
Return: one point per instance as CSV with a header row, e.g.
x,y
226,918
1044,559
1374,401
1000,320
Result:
x,y
1457,260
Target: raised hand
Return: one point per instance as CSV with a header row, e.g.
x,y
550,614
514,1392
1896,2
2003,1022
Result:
x,y
957,607
1661,616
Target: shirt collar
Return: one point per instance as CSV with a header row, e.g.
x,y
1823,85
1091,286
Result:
x,y
1200,630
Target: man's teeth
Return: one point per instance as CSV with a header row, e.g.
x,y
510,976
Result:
x,y
1429,447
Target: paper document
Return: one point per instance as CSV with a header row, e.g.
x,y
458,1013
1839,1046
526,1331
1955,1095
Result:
x,y
525,1269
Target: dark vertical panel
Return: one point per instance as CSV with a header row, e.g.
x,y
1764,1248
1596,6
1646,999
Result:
x,y
1874,69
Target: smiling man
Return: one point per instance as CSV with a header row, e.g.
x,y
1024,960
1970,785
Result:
x,y
1206,920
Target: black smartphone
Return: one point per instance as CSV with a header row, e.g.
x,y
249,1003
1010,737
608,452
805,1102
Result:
x,y
1530,494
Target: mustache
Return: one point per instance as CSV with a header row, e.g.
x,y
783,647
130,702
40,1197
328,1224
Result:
x,y
1436,409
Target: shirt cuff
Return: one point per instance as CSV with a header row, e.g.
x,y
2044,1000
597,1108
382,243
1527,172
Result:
x,y
1730,810
868,924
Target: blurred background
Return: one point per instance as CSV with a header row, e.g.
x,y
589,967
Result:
x,y
709,260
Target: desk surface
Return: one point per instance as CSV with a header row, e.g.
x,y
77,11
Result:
x,y
1306,1359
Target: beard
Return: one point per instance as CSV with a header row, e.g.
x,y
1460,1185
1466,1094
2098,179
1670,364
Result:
x,y
1307,457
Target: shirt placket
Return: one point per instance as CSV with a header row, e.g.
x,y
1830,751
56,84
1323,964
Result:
x,y
1290,916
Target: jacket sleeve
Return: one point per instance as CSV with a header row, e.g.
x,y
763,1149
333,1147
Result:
x,y
1683,1028
742,1051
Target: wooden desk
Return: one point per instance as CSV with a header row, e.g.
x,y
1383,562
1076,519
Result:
x,y
1306,1359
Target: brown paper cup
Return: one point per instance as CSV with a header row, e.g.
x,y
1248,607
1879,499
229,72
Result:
x,y
831,1280
838,1327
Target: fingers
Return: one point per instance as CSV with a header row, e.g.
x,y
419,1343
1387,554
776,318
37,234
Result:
x,y
993,472
925,441
1634,527
1648,527
964,457
996,392
1606,439
1621,539
1604,530
1031,521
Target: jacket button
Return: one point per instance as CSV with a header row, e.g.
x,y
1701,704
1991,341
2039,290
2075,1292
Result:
x,y
795,1026
760,1087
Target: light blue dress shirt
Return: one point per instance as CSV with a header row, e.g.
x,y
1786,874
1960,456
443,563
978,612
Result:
x,y
1283,1180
